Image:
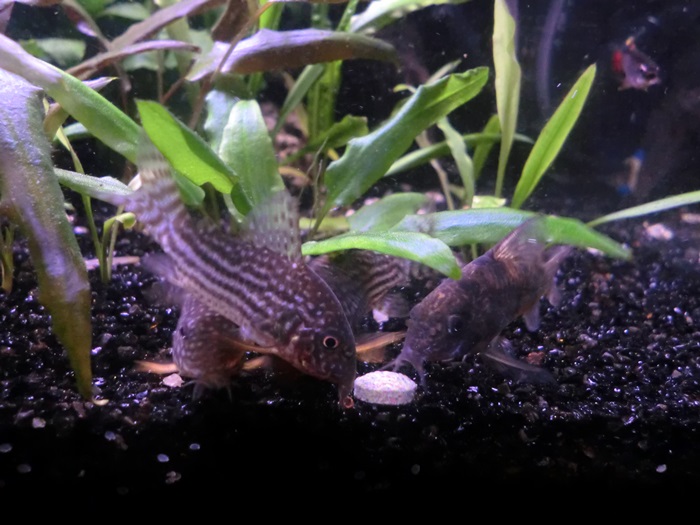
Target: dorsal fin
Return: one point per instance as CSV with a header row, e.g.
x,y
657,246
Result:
x,y
524,245
274,224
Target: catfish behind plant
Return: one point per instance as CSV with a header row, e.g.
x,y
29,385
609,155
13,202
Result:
x,y
467,315
256,280
364,280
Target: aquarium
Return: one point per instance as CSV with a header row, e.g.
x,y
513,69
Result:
x,y
390,247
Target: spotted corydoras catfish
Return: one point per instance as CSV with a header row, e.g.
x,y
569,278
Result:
x,y
467,315
367,281
256,280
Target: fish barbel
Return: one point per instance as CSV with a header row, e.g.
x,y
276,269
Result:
x,y
257,280
467,315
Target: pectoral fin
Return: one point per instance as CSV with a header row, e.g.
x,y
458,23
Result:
x,y
498,355
371,348
532,317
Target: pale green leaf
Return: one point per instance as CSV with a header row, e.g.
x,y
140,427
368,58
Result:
x,y
667,203
246,145
553,136
508,74
386,212
184,149
409,245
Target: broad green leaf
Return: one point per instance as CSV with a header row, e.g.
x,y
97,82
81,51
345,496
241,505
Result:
x,y
386,212
383,12
367,159
184,149
32,199
424,155
246,144
219,106
667,203
269,50
553,136
464,163
409,245
482,149
488,226
507,74
107,123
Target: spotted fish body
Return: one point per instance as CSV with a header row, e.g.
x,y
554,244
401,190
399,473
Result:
x,y
362,279
257,281
202,347
467,315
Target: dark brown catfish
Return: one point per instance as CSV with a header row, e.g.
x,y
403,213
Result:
x,y
467,315
257,280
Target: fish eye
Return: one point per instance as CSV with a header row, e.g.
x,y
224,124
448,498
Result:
x,y
454,324
330,342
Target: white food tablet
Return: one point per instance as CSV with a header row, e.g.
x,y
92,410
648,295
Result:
x,y
385,388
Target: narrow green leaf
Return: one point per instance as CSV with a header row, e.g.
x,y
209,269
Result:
x,y
246,144
482,149
667,203
184,149
97,114
464,163
386,212
424,155
409,245
336,136
367,159
320,101
508,74
488,226
33,200
303,84
553,136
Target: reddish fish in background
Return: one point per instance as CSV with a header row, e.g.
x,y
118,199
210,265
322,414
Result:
x,y
257,281
633,68
466,316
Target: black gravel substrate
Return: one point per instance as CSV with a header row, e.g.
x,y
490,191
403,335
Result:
x,y
624,347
